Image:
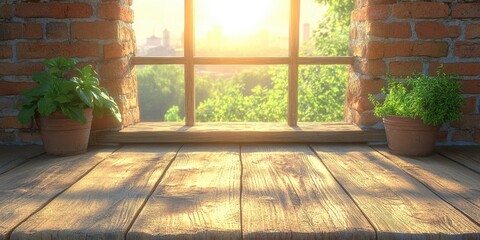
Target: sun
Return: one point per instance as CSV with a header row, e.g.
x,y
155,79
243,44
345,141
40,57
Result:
x,y
235,17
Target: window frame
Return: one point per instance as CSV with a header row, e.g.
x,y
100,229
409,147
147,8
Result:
x,y
293,60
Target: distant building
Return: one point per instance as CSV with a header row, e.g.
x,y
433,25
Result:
x,y
156,46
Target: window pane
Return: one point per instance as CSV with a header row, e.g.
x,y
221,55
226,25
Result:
x,y
319,37
241,28
321,93
161,93
159,27
241,93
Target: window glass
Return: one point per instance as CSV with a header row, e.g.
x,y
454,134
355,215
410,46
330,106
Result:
x,y
241,28
159,27
161,93
241,93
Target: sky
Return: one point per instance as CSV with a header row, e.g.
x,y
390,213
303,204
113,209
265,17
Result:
x,y
235,17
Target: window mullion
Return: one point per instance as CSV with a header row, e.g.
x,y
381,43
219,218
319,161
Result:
x,y
293,53
189,65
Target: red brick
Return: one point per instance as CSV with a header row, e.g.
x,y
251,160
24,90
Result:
x,y
112,11
362,104
6,11
466,10
375,12
116,87
471,86
53,10
9,30
462,69
366,118
116,50
462,135
470,105
6,51
472,31
372,68
358,50
467,49
127,34
434,30
390,30
57,30
20,69
420,10
55,49
467,122
379,50
365,87
94,30
11,122
14,88
115,69
30,137
7,137
405,68
107,122
442,136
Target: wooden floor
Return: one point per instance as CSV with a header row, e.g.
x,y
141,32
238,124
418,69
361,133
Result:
x,y
239,191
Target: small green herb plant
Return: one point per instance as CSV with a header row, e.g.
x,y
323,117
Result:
x,y
434,99
56,90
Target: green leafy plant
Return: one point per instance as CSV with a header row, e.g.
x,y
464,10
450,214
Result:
x,y
434,99
57,90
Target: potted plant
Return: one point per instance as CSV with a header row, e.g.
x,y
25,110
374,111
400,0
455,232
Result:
x,y
414,110
63,103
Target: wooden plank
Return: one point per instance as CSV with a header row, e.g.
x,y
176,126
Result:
x,y
293,50
240,133
241,60
189,71
289,194
30,186
345,60
157,60
398,206
454,183
12,156
199,197
468,156
103,204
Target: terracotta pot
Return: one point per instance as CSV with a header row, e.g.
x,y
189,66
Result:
x,y
410,137
64,136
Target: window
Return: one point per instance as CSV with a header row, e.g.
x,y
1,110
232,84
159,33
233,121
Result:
x,y
196,51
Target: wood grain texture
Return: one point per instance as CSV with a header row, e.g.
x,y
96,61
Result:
x,y
289,194
293,49
189,68
453,182
30,186
103,204
468,156
240,133
345,60
396,204
199,197
12,156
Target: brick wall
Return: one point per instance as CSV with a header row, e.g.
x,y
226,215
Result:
x,y
97,32
397,37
